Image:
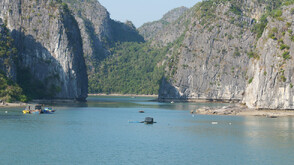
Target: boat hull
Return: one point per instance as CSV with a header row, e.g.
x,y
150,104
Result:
x,y
35,112
48,111
25,111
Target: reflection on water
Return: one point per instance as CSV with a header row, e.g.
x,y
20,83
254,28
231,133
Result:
x,y
98,132
145,102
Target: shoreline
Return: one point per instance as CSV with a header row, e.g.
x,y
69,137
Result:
x,y
43,101
240,110
11,105
117,94
198,100
230,110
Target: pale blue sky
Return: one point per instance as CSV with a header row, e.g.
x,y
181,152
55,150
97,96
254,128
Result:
x,y
142,11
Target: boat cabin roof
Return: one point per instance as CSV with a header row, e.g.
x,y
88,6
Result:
x,y
33,107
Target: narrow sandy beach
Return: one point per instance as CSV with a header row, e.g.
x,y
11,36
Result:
x,y
5,105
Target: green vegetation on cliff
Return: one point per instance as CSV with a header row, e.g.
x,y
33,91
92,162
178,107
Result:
x,y
10,91
133,68
7,49
33,88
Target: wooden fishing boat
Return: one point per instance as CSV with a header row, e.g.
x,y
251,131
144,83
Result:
x,y
48,110
32,109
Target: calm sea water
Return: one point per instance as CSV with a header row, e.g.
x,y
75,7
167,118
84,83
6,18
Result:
x,y
98,132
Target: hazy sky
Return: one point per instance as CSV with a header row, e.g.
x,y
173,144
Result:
x,y
142,11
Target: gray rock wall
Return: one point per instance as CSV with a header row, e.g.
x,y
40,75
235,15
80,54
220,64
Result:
x,y
49,44
8,52
150,30
99,32
272,74
211,61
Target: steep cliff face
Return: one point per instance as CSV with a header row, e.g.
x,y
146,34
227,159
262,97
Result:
x,y
50,53
99,32
7,52
226,54
210,59
151,29
94,23
270,75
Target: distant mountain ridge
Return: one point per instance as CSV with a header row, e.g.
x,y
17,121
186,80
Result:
x,y
151,29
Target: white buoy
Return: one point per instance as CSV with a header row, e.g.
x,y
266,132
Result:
x,y
6,112
230,123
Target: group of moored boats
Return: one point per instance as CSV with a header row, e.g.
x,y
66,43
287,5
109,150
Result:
x,y
37,109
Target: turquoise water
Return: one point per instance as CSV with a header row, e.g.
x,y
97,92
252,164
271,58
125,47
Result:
x,y
98,132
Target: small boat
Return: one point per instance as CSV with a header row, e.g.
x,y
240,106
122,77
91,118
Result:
x,y
172,102
269,116
37,109
32,109
149,120
141,111
48,110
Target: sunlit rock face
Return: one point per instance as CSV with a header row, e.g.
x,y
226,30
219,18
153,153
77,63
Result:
x,y
272,74
218,56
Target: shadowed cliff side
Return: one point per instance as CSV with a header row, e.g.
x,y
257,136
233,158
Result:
x,y
49,47
99,32
168,92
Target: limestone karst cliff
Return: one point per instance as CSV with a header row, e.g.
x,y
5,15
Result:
x,y
151,30
236,50
210,58
50,62
99,32
229,50
8,52
270,74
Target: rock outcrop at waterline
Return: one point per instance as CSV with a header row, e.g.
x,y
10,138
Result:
x,y
49,45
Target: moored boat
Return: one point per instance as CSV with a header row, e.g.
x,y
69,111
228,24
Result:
x,y
48,110
32,109
37,109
